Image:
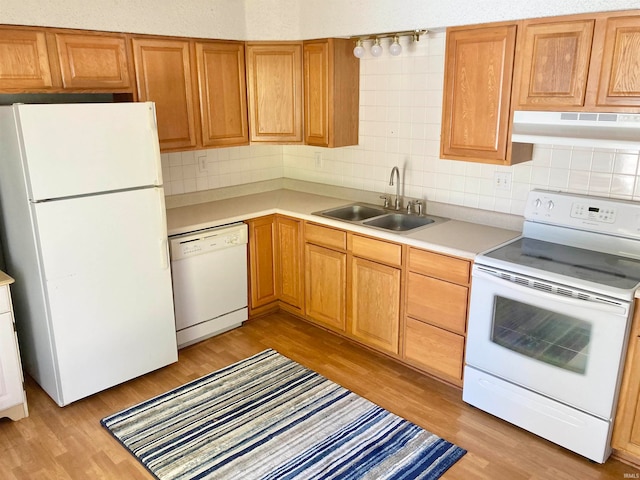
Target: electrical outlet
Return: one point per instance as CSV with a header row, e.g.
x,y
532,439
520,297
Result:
x,y
202,164
318,158
502,180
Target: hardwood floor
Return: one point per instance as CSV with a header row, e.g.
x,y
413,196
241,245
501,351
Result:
x,y
69,443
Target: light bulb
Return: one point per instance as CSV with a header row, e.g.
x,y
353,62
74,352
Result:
x,y
376,49
395,49
359,50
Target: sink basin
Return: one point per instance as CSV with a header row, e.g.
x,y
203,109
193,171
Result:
x,y
399,222
354,213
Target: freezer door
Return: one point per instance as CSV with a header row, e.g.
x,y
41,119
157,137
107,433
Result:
x,y
108,283
77,149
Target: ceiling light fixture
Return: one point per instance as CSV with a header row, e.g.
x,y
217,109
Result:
x,y
395,48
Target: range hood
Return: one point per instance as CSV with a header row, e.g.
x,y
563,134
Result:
x,y
601,130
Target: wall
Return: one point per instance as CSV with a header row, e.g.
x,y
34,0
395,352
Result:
x,y
282,19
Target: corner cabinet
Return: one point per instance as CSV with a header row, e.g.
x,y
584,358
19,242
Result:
x,y
276,275
569,63
274,90
331,93
13,400
476,123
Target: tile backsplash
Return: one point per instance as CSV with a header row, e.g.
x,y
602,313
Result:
x,y
400,116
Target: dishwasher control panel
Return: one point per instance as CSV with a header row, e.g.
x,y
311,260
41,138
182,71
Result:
x,y
208,240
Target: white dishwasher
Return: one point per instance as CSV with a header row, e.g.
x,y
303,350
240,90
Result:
x,y
209,273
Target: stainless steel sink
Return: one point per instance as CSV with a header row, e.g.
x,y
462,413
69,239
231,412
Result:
x,y
399,222
354,213
380,218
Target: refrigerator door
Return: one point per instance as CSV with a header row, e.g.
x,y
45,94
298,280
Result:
x,y
77,149
107,279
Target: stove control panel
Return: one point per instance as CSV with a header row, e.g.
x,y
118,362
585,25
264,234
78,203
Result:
x,y
588,211
584,212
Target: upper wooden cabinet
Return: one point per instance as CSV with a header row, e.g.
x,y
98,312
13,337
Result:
x,y
163,76
24,60
53,60
619,68
94,62
222,93
579,62
274,88
331,93
555,63
477,95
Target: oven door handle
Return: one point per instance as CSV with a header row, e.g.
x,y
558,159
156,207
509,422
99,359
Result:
x,y
600,304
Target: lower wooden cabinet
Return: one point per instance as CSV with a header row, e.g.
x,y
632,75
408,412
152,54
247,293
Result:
x,y
436,313
408,303
626,432
325,286
375,304
275,263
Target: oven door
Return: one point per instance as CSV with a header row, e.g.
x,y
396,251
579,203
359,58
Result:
x,y
562,343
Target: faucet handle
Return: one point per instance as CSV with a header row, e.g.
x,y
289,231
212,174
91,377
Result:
x,y
409,207
418,205
386,200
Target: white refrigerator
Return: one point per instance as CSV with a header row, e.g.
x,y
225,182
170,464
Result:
x,y
84,235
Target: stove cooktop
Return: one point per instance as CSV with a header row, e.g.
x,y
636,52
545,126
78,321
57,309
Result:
x,y
528,255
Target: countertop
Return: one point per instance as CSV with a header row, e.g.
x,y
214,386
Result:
x,y
454,237
5,279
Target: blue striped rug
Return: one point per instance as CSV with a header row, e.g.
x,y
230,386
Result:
x,y
268,417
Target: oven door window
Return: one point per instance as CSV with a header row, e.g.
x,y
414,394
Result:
x,y
543,335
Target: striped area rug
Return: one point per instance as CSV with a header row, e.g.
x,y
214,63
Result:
x,y
268,417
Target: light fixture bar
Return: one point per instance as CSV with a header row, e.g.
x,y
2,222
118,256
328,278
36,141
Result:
x,y
372,36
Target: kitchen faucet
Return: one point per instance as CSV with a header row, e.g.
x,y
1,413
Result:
x,y
397,172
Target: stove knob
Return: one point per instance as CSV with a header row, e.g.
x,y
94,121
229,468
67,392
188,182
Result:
x,y
537,203
550,205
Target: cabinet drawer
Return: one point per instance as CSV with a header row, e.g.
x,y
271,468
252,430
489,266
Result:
x,y
5,303
329,237
377,250
434,348
437,302
441,266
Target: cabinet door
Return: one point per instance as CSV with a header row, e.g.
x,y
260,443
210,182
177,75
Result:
x,y
289,271
262,245
24,61
317,74
619,84
274,73
555,63
93,61
222,90
477,93
163,76
331,93
11,391
375,304
325,286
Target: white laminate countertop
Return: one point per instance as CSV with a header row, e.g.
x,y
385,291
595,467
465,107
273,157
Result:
x,y
5,279
454,237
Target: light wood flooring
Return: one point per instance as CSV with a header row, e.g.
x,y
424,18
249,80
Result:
x,y
69,443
